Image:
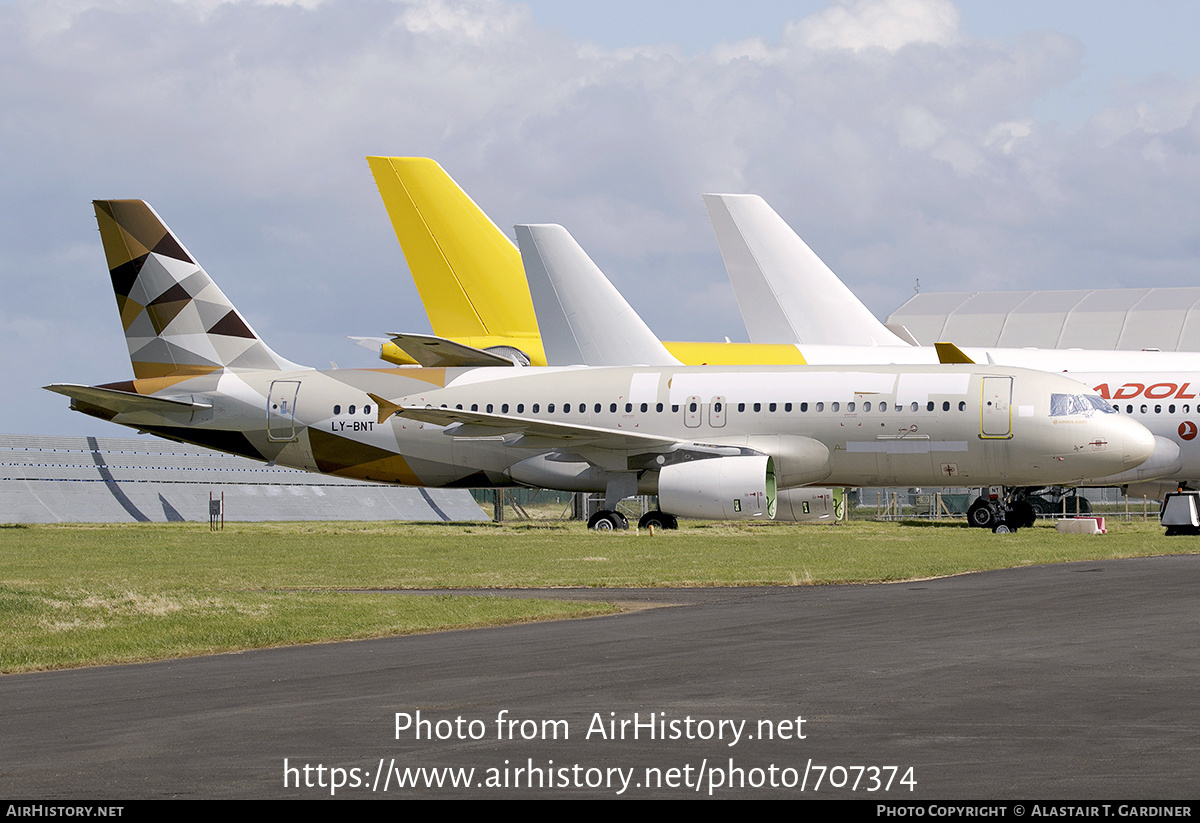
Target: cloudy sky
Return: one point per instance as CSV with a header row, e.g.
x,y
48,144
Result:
x,y
972,145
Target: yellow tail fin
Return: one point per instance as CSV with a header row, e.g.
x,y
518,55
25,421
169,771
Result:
x,y
468,273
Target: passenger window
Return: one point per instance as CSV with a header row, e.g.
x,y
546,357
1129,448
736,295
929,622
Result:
x,y
504,409
1129,409
536,406
659,407
716,407
962,405
820,407
741,407
915,406
787,407
945,405
1171,408
628,408
929,406
835,406
1158,408
367,408
597,408
474,407
612,407
674,408
1143,409
771,407
520,408
549,408
645,407
803,407
849,407
489,408
691,407
337,409
566,408
758,407
351,410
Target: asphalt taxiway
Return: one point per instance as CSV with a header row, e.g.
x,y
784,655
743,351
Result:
x,y
1069,681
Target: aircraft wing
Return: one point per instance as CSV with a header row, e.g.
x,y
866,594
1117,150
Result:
x,y
613,449
122,402
535,433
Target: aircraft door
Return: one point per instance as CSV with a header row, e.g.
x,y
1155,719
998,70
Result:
x,y
996,408
281,411
716,412
693,413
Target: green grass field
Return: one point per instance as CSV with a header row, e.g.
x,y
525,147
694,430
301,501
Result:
x,y
73,595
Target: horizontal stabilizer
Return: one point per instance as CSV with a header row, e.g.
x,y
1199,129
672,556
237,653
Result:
x,y
438,352
123,402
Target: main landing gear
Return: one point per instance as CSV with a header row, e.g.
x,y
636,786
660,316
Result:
x,y
658,520
1001,515
607,520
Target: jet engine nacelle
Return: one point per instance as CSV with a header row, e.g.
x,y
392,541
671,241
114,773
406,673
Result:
x,y
719,488
808,504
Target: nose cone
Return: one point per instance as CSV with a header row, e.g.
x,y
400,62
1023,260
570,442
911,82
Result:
x,y
1137,443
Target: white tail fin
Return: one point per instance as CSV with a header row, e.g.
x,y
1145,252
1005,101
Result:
x,y
583,318
784,291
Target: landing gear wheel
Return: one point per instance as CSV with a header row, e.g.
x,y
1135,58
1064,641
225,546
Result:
x,y
607,521
1041,506
1003,529
1023,515
982,515
659,520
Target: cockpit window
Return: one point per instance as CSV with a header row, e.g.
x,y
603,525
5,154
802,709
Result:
x,y
1084,404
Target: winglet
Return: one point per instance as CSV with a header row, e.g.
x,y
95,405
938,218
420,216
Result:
x,y
950,353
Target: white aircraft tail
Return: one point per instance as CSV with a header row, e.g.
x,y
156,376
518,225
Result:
x,y
583,318
784,291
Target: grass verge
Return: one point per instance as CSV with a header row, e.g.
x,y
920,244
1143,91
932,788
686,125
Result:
x,y
74,595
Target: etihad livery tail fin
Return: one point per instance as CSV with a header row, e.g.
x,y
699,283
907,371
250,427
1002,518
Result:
x,y
177,322
467,271
584,319
785,292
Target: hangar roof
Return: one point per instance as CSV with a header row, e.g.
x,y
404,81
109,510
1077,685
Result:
x,y
1129,319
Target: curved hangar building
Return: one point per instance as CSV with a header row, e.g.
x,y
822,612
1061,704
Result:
x,y
46,479
1167,319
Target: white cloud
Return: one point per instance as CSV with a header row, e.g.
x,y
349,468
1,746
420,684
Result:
x,y
883,24
246,123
